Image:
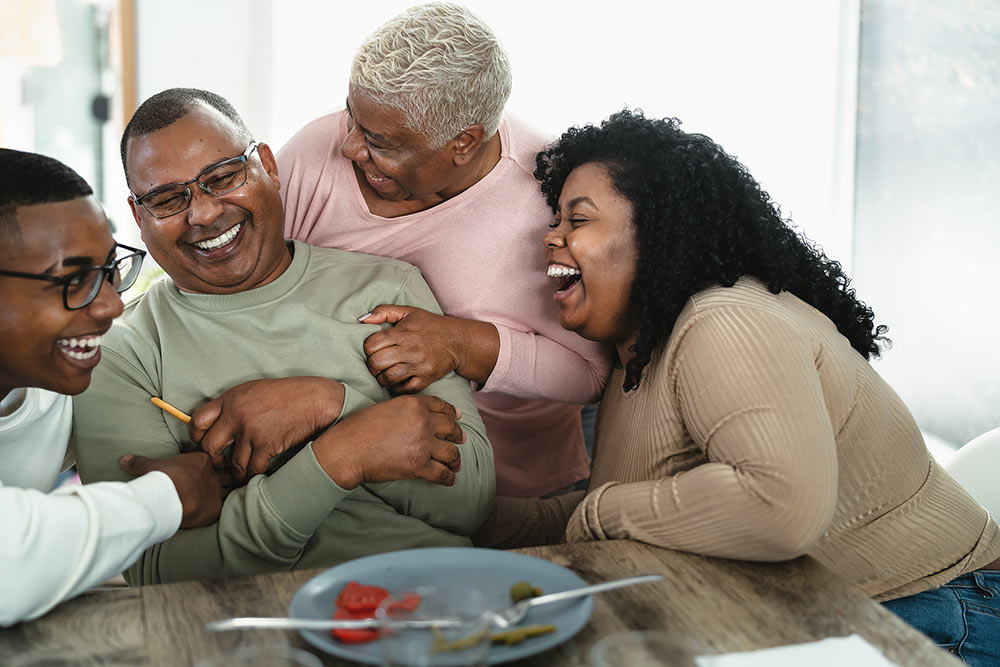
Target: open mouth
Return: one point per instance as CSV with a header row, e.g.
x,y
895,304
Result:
x,y
567,276
378,182
220,240
81,349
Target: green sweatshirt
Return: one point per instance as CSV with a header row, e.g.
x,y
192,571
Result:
x,y
189,348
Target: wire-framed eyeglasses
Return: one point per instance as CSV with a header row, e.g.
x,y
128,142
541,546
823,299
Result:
x,y
219,179
81,287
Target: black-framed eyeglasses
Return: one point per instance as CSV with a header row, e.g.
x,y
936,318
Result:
x,y
81,287
217,180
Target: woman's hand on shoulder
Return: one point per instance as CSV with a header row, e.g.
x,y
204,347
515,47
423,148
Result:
x,y
421,347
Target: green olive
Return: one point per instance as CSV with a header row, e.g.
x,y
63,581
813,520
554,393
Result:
x,y
521,590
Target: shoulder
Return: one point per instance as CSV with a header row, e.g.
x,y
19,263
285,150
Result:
x,y
140,323
742,317
347,277
523,142
315,136
748,296
357,269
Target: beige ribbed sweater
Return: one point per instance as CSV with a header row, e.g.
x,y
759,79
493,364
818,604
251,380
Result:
x,y
758,433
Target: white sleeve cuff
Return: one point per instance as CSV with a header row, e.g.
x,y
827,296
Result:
x,y
156,491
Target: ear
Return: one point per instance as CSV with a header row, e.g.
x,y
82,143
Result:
x,y
135,211
467,143
270,164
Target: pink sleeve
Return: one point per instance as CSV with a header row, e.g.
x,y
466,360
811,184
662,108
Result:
x,y
534,366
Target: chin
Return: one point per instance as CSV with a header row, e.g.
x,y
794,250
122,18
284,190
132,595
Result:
x,y
71,386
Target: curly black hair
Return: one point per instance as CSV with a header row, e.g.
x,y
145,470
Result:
x,y
700,219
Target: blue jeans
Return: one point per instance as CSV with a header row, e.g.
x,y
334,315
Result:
x,y
963,616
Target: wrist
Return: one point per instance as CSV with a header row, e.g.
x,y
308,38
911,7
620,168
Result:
x,y
327,449
477,346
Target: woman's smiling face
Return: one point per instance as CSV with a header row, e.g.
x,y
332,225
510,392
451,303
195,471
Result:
x,y
592,252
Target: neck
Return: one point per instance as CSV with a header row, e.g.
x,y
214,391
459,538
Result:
x,y
477,168
625,354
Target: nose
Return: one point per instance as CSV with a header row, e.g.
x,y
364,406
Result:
x,y
204,208
354,147
107,305
554,238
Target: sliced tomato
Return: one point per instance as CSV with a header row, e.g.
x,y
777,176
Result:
x,y
354,636
357,601
358,597
409,602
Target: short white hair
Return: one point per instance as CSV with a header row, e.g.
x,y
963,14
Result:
x,y
441,66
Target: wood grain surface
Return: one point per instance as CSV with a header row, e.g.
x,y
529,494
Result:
x,y
714,605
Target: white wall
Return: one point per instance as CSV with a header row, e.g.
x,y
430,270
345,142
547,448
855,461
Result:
x,y
770,80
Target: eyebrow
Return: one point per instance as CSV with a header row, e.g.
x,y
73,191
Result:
x,y
373,135
83,261
173,183
572,203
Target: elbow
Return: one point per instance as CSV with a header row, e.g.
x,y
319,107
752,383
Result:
x,y
794,530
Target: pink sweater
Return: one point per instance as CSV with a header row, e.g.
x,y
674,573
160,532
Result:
x,y
481,254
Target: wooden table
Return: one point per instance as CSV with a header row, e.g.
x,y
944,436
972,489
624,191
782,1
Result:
x,y
727,605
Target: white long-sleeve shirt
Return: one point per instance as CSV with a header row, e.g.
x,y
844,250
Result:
x,y
55,545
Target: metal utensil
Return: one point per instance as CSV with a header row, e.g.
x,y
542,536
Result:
x,y
514,614
502,618
279,623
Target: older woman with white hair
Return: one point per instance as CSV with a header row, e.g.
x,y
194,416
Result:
x,y
424,166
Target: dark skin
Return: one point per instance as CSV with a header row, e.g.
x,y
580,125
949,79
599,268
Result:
x,y
254,418
422,347
200,487
390,441
56,239
410,437
400,173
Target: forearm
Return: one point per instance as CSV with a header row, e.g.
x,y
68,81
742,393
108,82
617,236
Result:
x,y
478,345
54,546
533,366
459,508
523,522
263,527
713,509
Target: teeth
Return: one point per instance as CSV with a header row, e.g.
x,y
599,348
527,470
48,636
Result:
x,y
377,179
80,348
558,271
220,240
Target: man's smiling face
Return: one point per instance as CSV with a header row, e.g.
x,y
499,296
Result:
x,y
41,342
219,244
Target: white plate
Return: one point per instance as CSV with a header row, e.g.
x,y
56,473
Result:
x,y
488,570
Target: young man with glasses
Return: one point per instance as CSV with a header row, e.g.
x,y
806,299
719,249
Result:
x,y
60,276
259,340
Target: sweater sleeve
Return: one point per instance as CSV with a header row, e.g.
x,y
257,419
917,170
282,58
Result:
x,y
263,526
750,397
54,546
462,507
532,365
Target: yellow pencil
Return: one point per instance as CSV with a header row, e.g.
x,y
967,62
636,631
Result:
x,y
169,409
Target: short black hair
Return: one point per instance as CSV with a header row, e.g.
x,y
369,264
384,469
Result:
x,y
168,106
29,178
700,219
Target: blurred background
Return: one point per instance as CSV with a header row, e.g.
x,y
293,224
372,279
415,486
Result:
x,y
875,124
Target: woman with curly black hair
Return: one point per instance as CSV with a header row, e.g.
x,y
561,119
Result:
x,y
744,420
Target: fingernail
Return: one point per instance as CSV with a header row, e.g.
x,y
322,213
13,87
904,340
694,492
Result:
x,y
364,317
458,414
125,460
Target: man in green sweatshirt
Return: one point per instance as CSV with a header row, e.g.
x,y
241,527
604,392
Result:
x,y
259,338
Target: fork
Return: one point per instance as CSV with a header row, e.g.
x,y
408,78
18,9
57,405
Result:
x,y
502,618
515,613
